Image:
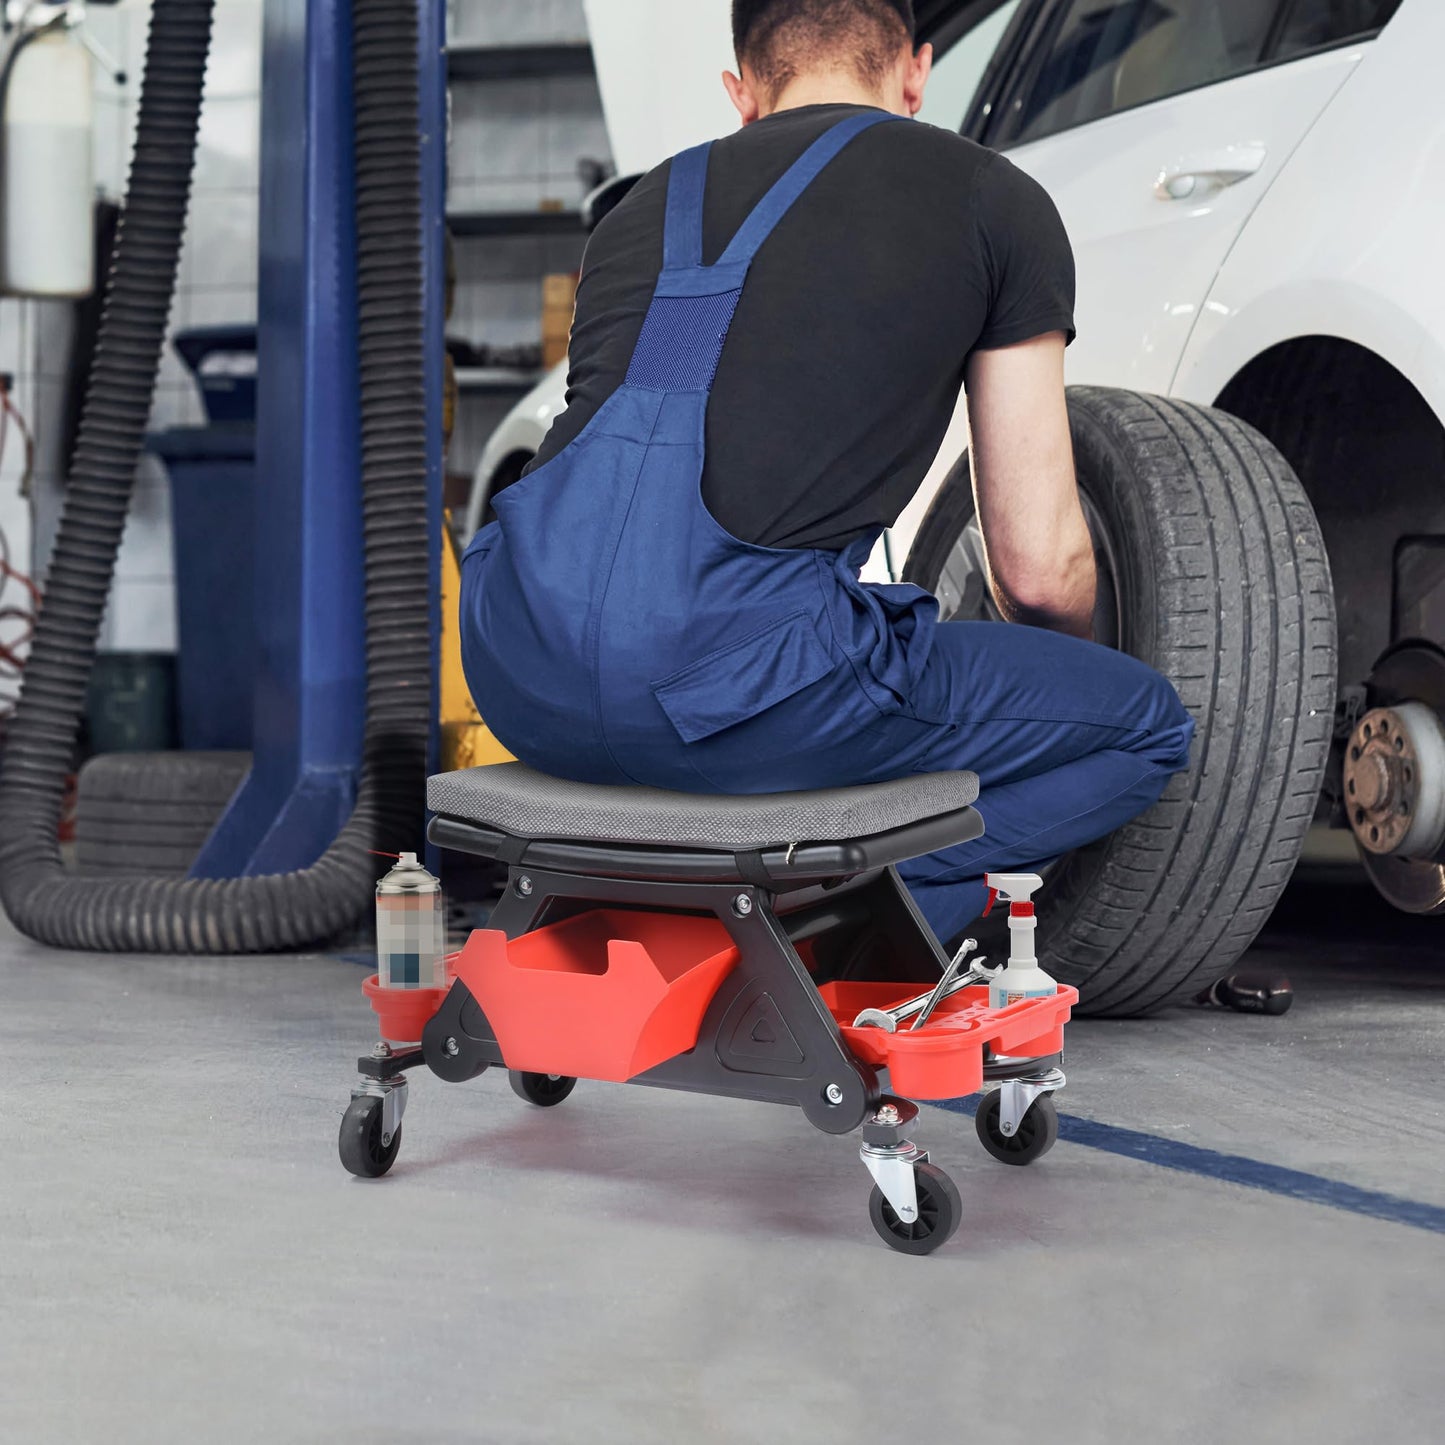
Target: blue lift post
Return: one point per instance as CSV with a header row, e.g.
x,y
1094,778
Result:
x,y
311,662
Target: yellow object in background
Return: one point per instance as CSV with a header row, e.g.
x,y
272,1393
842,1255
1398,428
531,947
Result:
x,y
559,301
466,741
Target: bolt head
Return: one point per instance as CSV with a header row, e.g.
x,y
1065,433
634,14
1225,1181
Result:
x,y
833,1094
524,886
381,1050
888,1114
742,905
453,1047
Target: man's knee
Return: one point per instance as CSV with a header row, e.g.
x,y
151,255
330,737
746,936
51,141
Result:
x,y
1169,729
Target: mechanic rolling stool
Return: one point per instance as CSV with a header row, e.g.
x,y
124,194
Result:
x,y
754,947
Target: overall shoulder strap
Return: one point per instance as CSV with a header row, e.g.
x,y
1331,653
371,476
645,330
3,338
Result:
x,y
790,185
686,185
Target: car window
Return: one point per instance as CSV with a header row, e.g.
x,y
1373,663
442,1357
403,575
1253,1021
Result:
x,y
1314,24
958,70
1109,55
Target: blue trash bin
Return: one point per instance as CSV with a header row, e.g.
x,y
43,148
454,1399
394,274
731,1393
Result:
x,y
212,480
223,361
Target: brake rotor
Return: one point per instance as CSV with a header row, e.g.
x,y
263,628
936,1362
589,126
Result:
x,y
1394,779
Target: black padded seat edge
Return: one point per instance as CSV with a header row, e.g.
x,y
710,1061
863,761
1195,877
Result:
x,y
788,868
514,799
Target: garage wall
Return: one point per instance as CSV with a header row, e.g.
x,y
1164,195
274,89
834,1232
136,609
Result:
x,y
514,145
217,283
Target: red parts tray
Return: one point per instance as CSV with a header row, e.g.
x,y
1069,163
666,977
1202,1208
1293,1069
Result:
x,y
606,994
944,1059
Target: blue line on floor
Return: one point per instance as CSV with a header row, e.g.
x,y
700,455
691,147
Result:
x,y
1236,1169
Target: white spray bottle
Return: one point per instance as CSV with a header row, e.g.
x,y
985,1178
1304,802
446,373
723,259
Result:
x,y
1022,977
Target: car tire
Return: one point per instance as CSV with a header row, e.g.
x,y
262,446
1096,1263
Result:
x,y
149,814
1221,582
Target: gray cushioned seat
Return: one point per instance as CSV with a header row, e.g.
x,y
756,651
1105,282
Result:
x,y
528,804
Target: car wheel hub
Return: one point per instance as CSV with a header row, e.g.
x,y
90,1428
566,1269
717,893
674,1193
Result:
x,y
1394,779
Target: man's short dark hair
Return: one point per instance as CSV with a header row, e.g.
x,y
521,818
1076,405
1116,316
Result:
x,y
778,39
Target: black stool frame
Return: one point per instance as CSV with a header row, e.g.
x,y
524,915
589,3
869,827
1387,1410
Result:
x,y
767,1034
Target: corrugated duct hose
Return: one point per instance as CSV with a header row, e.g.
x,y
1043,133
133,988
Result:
x,y
285,910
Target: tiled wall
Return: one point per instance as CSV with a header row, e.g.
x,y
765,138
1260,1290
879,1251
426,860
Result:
x,y
35,351
217,283
515,144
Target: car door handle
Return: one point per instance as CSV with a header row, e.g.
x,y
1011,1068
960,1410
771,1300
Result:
x,y
1198,175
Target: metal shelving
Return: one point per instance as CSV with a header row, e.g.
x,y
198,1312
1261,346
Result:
x,y
514,223
497,380
519,62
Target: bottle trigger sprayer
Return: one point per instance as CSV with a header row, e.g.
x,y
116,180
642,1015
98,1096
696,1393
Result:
x,y
1021,977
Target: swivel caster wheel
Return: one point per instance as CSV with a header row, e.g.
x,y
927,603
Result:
x,y
541,1089
1036,1134
939,1212
364,1149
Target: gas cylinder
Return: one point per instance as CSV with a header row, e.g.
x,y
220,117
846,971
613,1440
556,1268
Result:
x,y
47,225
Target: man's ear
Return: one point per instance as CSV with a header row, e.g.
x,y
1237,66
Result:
x,y
741,93
915,78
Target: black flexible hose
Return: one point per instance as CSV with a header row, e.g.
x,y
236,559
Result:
x,y
285,910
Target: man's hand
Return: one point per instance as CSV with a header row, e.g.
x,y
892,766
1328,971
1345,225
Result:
x,y
1040,556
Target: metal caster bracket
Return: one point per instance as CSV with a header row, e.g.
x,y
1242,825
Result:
x,y
392,1092
890,1158
1016,1097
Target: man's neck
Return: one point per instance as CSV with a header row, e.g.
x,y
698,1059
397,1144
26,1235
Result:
x,y
826,88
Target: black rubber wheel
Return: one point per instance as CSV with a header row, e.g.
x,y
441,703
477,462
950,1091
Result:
x,y
541,1089
1037,1133
1212,570
939,1212
149,814
360,1146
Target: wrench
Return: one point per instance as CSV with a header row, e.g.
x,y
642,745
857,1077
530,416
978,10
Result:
x,y
889,1019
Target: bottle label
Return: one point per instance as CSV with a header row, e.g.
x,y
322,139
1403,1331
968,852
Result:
x,y
1002,998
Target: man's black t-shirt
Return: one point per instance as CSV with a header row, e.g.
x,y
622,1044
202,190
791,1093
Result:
x,y
911,250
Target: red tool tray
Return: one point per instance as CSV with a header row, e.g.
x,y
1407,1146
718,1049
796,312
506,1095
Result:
x,y
607,994
611,993
944,1059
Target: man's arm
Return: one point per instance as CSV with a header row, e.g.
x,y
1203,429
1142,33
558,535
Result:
x,y
1040,556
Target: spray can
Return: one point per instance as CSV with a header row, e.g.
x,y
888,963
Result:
x,y
1021,977
410,928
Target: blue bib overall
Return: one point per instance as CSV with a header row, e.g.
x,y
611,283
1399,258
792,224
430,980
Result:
x,y
614,632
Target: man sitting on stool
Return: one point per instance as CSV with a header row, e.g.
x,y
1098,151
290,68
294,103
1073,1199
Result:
x,y
771,332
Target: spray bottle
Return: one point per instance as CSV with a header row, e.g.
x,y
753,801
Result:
x,y
1022,977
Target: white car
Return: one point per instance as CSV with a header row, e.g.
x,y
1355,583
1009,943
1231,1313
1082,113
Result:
x,y
1253,192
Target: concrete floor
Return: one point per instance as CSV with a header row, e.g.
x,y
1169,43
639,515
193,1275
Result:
x,y
183,1259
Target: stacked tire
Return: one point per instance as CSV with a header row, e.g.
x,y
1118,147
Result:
x,y
147,815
